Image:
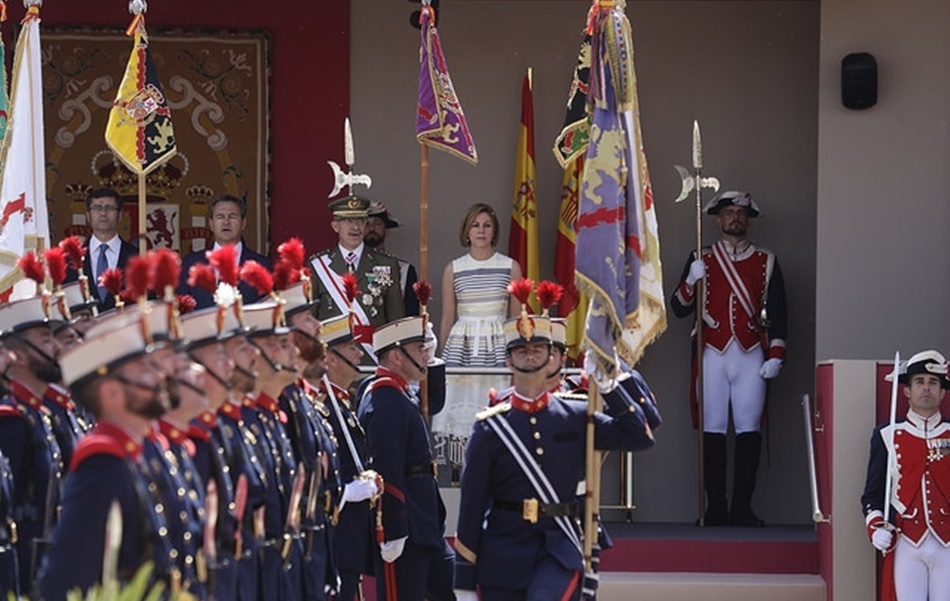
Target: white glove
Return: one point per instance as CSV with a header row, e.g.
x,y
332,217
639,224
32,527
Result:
x,y
770,368
392,549
358,490
461,595
697,271
882,539
604,384
431,343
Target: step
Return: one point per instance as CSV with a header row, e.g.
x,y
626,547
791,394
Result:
x,y
668,547
676,586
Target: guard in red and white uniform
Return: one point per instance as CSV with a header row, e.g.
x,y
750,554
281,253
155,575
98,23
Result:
x,y
917,559
744,327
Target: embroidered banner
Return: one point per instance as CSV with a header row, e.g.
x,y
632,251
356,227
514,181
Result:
x,y
216,85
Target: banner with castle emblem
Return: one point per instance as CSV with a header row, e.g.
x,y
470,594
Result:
x,y
24,225
140,129
216,84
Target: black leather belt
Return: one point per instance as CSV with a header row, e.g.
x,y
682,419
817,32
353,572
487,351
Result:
x,y
428,469
532,509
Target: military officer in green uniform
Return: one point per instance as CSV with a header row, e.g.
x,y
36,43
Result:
x,y
379,298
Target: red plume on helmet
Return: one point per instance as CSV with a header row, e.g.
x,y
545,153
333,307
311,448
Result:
x,y
201,275
292,252
75,252
549,294
112,280
166,269
225,261
186,303
521,290
32,267
257,276
350,287
285,275
56,265
423,291
137,278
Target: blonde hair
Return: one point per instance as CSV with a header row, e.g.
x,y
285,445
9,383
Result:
x,y
473,212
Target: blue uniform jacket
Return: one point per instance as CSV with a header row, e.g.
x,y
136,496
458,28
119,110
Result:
x,y
399,449
502,553
355,529
29,443
105,469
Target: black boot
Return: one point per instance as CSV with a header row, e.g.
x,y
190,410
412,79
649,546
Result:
x,y
748,450
714,476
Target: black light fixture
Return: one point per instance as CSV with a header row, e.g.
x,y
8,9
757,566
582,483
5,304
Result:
x,y
859,81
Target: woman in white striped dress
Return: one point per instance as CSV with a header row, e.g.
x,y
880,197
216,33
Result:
x,y
475,304
475,298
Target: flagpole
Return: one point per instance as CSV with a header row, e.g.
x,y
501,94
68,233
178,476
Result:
x,y
424,255
143,239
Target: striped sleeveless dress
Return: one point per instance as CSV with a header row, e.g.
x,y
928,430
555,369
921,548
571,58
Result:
x,y
477,339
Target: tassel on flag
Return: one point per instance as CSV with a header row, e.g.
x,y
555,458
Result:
x,y
140,131
440,122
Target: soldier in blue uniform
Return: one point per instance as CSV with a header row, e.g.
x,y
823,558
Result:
x,y
27,437
205,331
354,530
415,562
282,549
112,376
314,447
240,447
518,531
9,570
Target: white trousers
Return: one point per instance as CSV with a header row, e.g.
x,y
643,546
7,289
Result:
x,y
922,573
731,378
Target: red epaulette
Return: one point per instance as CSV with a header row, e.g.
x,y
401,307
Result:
x,y
384,382
492,396
97,444
10,411
198,433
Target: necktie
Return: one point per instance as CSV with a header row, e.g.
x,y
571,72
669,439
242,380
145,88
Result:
x,y
102,265
351,261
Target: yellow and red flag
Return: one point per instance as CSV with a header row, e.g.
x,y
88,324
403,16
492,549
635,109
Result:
x,y
523,237
140,131
573,303
24,224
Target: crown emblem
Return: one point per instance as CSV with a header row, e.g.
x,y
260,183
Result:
x,y
199,194
160,184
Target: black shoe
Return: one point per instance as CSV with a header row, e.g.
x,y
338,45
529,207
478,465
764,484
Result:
x,y
746,519
714,518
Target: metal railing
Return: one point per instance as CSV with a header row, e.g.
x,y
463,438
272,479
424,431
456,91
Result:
x,y
817,515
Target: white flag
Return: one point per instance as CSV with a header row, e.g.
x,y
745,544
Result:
x,y
24,223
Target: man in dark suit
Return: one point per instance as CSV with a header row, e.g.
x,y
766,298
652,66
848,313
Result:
x,y
105,249
228,217
379,300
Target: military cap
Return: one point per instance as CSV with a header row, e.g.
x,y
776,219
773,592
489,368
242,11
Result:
x,y
399,332
378,209
349,207
732,198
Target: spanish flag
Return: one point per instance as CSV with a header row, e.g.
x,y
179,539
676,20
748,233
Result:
x,y
523,237
140,130
573,304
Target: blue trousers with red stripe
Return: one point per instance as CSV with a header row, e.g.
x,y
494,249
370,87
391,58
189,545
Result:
x,y
549,582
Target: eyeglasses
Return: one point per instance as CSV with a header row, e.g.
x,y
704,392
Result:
x,y
103,208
